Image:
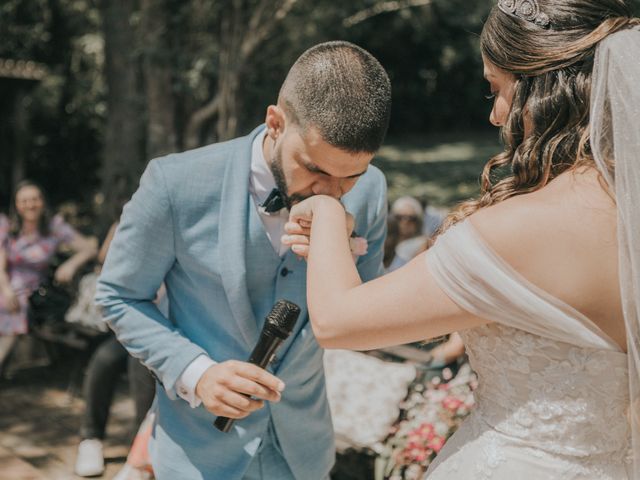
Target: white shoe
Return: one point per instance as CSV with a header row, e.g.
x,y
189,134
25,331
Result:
x,y
90,461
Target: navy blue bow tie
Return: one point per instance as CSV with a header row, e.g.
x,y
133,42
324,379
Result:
x,y
274,202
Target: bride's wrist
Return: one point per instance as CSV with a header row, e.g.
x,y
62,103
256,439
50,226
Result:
x,y
329,204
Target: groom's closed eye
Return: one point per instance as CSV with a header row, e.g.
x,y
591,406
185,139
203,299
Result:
x,y
315,169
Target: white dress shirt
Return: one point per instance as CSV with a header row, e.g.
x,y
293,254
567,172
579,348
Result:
x,y
261,183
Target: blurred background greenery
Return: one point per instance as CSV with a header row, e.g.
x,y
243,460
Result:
x,y
90,90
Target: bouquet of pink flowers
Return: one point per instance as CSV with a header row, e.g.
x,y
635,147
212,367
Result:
x,y
432,413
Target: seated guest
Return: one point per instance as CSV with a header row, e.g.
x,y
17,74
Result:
x,y
427,226
28,241
406,250
408,213
443,354
106,366
390,241
432,219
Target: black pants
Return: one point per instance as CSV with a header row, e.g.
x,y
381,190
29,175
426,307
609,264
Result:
x,y
106,366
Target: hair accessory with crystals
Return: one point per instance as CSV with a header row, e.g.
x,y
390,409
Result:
x,y
528,10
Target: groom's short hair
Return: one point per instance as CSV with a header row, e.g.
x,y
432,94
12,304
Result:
x,y
343,91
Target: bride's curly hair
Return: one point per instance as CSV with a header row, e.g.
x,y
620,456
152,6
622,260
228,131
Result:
x,y
553,67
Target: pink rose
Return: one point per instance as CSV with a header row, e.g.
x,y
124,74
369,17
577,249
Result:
x,y
427,431
436,444
452,403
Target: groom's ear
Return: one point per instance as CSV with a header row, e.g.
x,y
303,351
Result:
x,y
275,121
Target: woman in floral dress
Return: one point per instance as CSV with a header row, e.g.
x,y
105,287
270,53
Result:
x,y
28,241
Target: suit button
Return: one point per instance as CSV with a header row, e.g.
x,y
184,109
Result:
x,y
285,271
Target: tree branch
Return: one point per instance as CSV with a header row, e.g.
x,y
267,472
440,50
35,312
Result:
x,y
256,18
382,7
263,27
197,119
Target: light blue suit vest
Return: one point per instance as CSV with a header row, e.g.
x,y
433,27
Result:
x,y
193,225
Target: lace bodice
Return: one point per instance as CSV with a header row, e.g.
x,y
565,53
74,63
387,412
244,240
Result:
x,y
552,397
555,396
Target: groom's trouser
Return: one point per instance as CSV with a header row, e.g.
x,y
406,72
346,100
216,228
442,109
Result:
x,y
269,462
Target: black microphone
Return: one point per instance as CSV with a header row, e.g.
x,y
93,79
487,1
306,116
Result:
x,y
277,327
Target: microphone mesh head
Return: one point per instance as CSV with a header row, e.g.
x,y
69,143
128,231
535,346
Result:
x,y
283,316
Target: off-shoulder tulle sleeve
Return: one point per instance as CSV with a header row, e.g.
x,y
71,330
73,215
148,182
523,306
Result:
x,y
482,283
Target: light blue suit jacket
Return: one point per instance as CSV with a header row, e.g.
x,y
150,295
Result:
x,y
186,226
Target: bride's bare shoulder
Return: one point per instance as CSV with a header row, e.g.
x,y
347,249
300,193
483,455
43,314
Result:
x,y
572,210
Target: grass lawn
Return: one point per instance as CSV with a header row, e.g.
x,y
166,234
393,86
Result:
x,y
444,168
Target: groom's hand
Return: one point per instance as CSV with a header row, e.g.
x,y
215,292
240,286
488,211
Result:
x,y
298,228
234,389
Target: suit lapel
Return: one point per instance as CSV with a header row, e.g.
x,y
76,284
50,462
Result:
x,y
232,230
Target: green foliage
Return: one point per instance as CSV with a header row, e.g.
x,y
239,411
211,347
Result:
x,y
67,107
432,55
430,51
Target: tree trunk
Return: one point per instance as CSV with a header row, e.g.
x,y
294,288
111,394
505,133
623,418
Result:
x,y
231,63
124,158
21,134
161,126
243,27
227,123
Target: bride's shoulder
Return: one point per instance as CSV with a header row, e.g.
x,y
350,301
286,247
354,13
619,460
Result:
x,y
510,226
572,208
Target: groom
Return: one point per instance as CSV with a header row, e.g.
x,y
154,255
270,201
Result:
x,y
208,224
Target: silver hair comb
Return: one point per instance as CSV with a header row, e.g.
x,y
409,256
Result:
x,y
528,10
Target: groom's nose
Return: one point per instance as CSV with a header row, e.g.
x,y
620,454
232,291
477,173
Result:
x,y
329,186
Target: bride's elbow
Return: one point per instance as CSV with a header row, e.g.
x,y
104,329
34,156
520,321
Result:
x,y
324,330
329,342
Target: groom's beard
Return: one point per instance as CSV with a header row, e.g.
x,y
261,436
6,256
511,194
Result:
x,y
281,182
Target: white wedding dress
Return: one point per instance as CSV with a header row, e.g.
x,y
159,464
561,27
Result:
x,y
553,393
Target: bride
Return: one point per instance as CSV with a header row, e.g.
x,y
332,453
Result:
x,y
541,274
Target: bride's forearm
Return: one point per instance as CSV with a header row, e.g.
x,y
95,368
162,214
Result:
x,y
404,306
331,271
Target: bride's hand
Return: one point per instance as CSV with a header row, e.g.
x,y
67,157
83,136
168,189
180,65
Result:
x,y
298,228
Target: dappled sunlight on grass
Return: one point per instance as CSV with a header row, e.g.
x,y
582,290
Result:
x,y
40,423
444,169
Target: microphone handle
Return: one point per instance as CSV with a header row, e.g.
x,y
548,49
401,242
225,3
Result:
x,y
261,356
265,350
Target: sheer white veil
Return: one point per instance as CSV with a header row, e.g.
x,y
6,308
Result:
x,y
615,143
